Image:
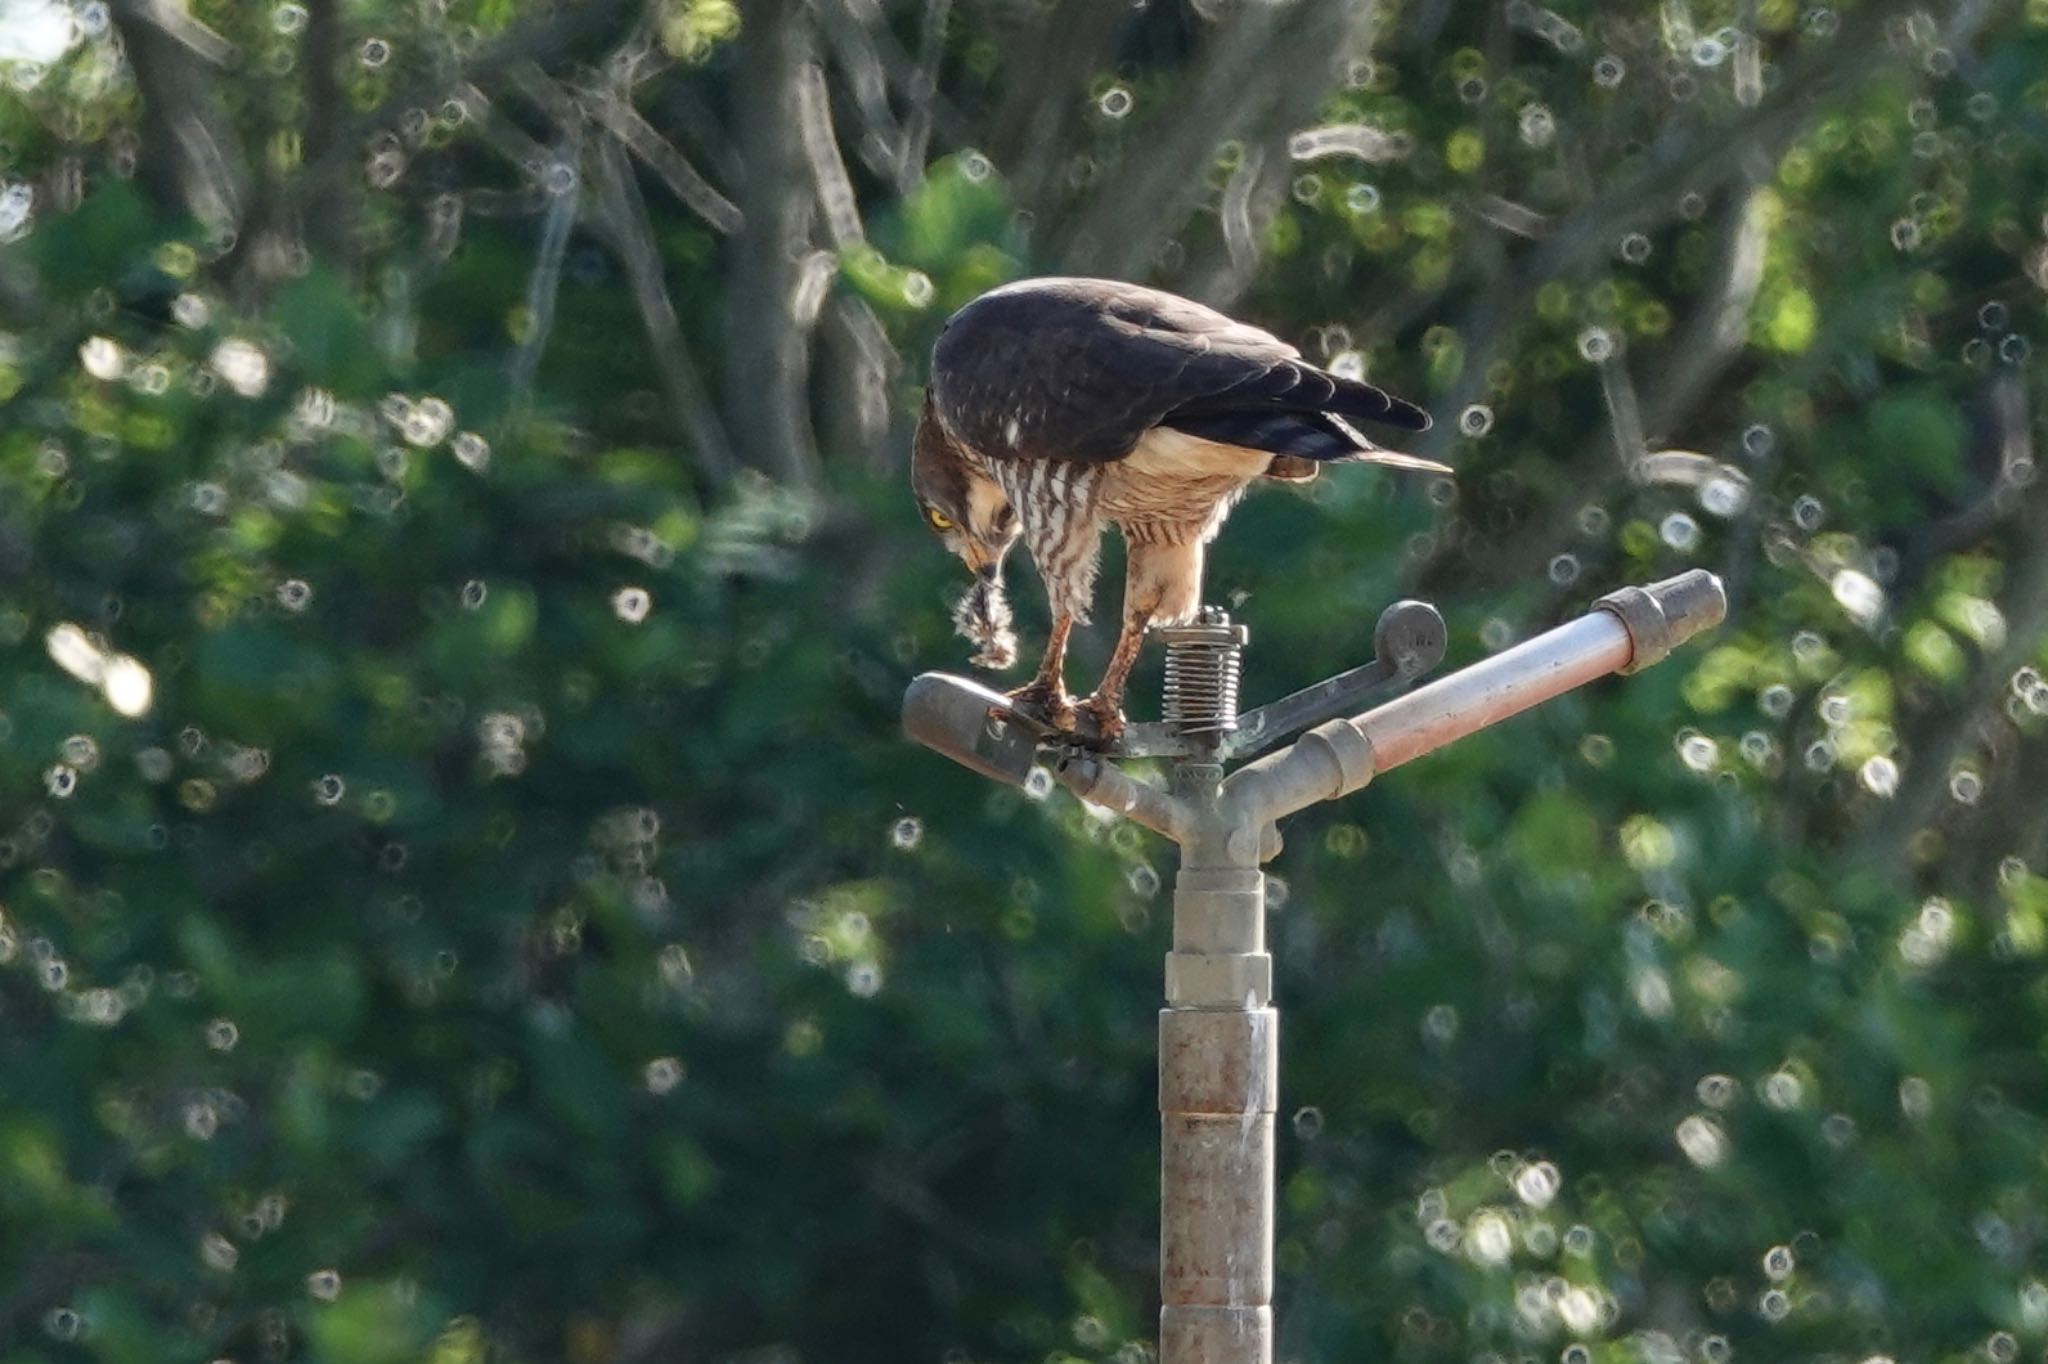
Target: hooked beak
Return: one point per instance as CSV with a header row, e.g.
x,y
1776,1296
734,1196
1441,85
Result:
x,y
980,562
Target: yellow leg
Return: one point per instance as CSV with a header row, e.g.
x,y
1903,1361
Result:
x,y
1107,704
1047,692
1162,581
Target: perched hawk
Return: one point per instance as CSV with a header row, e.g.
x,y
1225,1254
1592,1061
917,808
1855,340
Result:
x,y
1058,405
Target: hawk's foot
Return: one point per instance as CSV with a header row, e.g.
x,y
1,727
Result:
x,y
1049,701
1108,714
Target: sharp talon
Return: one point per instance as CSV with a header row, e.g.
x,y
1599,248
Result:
x,y
1053,705
1108,717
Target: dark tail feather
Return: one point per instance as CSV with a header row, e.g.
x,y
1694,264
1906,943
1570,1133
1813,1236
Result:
x,y
1318,436
1356,398
1299,388
1283,433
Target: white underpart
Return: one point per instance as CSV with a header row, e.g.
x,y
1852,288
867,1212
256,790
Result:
x,y
1163,582
1174,487
1171,496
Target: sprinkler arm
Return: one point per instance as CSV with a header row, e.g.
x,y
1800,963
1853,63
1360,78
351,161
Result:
x,y
1408,642
1626,631
1098,781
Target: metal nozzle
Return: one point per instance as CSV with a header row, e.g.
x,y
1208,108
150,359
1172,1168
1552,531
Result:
x,y
974,726
1666,614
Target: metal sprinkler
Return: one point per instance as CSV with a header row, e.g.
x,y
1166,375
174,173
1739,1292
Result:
x,y
1219,1034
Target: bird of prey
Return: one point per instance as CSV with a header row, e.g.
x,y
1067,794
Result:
x,y
1056,406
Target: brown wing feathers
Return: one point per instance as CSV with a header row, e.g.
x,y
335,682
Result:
x,y
1079,370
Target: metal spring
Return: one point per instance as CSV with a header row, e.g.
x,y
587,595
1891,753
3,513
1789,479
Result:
x,y
1203,660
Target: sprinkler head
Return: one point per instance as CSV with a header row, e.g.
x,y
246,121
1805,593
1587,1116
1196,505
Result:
x,y
974,726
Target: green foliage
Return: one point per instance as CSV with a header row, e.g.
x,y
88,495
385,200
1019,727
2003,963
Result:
x,y
690,29
463,894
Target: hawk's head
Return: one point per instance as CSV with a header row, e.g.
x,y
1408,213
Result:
x,y
962,506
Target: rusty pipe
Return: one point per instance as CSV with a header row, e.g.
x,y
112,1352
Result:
x,y
1218,1091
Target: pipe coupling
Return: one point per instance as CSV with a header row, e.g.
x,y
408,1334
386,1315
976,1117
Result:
x,y
1347,750
1665,614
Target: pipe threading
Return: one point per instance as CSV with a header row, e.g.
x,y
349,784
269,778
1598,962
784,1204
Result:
x,y
1203,660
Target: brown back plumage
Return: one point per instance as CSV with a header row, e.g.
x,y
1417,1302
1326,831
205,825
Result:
x,y
1080,369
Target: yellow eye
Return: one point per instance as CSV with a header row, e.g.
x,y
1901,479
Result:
x,y
939,520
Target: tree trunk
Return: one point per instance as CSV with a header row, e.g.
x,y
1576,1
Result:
x,y
767,360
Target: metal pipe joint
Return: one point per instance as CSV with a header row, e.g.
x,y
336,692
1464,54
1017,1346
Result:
x,y
1665,614
1219,958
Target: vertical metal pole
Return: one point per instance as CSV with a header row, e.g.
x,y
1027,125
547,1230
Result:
x,y
1219,1065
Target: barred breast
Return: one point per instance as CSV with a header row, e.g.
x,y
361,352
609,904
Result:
x,y
1058,507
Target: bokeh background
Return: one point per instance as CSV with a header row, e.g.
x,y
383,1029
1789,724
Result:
x,y
465,896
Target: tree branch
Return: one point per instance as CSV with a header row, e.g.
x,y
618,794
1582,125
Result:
x,y
1719,327
191,161
828,170
1256,191
1048,61
1160,177
661,156
1700,157
330,217
924,91
536,41
854,49
1940,737
544,283
860,373
624,213
2016,470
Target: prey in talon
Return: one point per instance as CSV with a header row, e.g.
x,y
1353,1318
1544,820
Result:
x,y
1058,407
